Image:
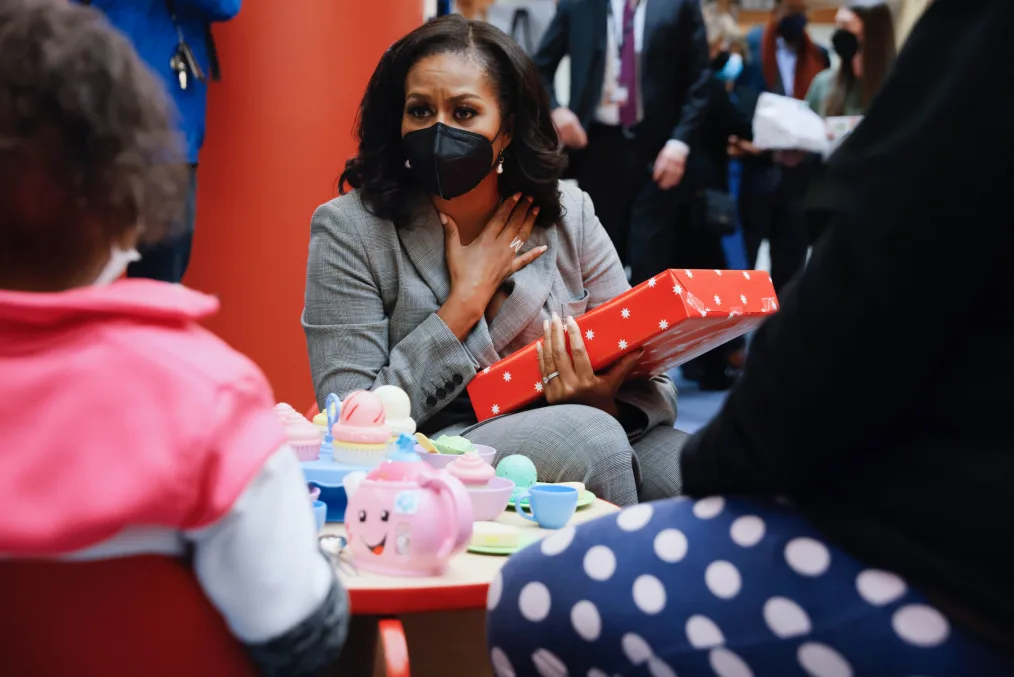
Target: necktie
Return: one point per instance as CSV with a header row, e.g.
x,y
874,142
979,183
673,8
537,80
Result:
x,y
628,67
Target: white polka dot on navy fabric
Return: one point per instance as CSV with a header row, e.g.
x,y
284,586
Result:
x,y
595,672
820,660
548,664
706,508
670,545
725,663
649,594
921,625
558,542
880,587
747,531
702,633
785,618
599,563
659,668
586,620
637,517
807,557
501,664
534,602
495,590
635,648
722,579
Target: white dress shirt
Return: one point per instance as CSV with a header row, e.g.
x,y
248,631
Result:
x,y
608,112
787,58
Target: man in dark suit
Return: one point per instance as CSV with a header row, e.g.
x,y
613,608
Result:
x,y
639,69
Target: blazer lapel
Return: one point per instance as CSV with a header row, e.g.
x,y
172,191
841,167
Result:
x,y
654,13
532,285
599,18
423,242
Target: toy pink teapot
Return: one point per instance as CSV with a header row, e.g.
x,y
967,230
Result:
x,y
405,518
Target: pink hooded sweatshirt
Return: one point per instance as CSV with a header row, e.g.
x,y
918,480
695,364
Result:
x,y
117,409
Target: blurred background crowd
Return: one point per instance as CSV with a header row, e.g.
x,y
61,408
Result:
x,y
671,169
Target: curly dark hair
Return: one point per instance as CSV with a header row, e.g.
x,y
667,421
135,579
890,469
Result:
x,y
533,163
88,143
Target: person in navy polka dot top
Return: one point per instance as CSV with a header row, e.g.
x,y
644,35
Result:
x,y
849,510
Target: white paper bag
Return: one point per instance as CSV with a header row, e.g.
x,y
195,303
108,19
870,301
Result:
x,y
784,123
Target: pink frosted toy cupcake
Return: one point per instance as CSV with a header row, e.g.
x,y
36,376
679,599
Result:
x,y
361,434
489,494
299,432
471,470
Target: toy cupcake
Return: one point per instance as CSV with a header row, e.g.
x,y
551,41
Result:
x,y
397,409
300,434
320,421
361,435
471,470
489,494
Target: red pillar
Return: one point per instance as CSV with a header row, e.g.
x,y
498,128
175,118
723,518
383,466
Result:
x,y
279,132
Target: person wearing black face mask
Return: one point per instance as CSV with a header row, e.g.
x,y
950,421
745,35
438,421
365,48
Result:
x,y
458,247
865,45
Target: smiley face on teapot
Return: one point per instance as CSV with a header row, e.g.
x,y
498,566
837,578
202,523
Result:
x,y
407,523
378,531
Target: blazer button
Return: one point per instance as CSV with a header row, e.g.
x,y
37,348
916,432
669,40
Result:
x,y
457,379
431,401
441,393
449,386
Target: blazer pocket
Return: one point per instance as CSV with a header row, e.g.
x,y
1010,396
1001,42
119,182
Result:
x,y
575,307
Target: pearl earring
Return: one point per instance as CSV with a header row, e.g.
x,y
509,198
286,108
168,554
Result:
x,y
408,165
499,167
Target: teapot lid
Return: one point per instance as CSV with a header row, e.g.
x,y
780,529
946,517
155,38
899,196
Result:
x,y
402,462
403,450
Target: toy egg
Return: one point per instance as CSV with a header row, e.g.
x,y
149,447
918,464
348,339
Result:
x,y
518,469
397,409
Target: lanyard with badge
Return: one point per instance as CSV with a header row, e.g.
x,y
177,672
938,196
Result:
x,y
183,62
622,31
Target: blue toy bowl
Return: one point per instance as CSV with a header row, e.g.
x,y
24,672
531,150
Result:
x,y
327,476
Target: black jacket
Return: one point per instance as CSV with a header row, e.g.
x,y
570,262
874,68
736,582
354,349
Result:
x,y
674,64
879,396
708,163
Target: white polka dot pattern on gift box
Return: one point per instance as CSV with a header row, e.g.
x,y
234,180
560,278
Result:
x,y
692,309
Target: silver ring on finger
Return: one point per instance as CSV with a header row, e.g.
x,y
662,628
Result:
x,y
516,244
547,379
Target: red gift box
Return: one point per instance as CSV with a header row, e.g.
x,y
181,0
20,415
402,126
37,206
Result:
x,y
675,316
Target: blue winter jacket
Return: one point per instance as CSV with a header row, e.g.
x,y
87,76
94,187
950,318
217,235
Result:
x,y
148,25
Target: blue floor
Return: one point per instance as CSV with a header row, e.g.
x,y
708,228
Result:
x,y
695,408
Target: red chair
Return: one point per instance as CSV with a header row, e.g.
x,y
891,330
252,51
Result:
x,y
126,616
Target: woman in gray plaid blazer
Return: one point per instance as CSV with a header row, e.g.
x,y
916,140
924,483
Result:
x,y
458,247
